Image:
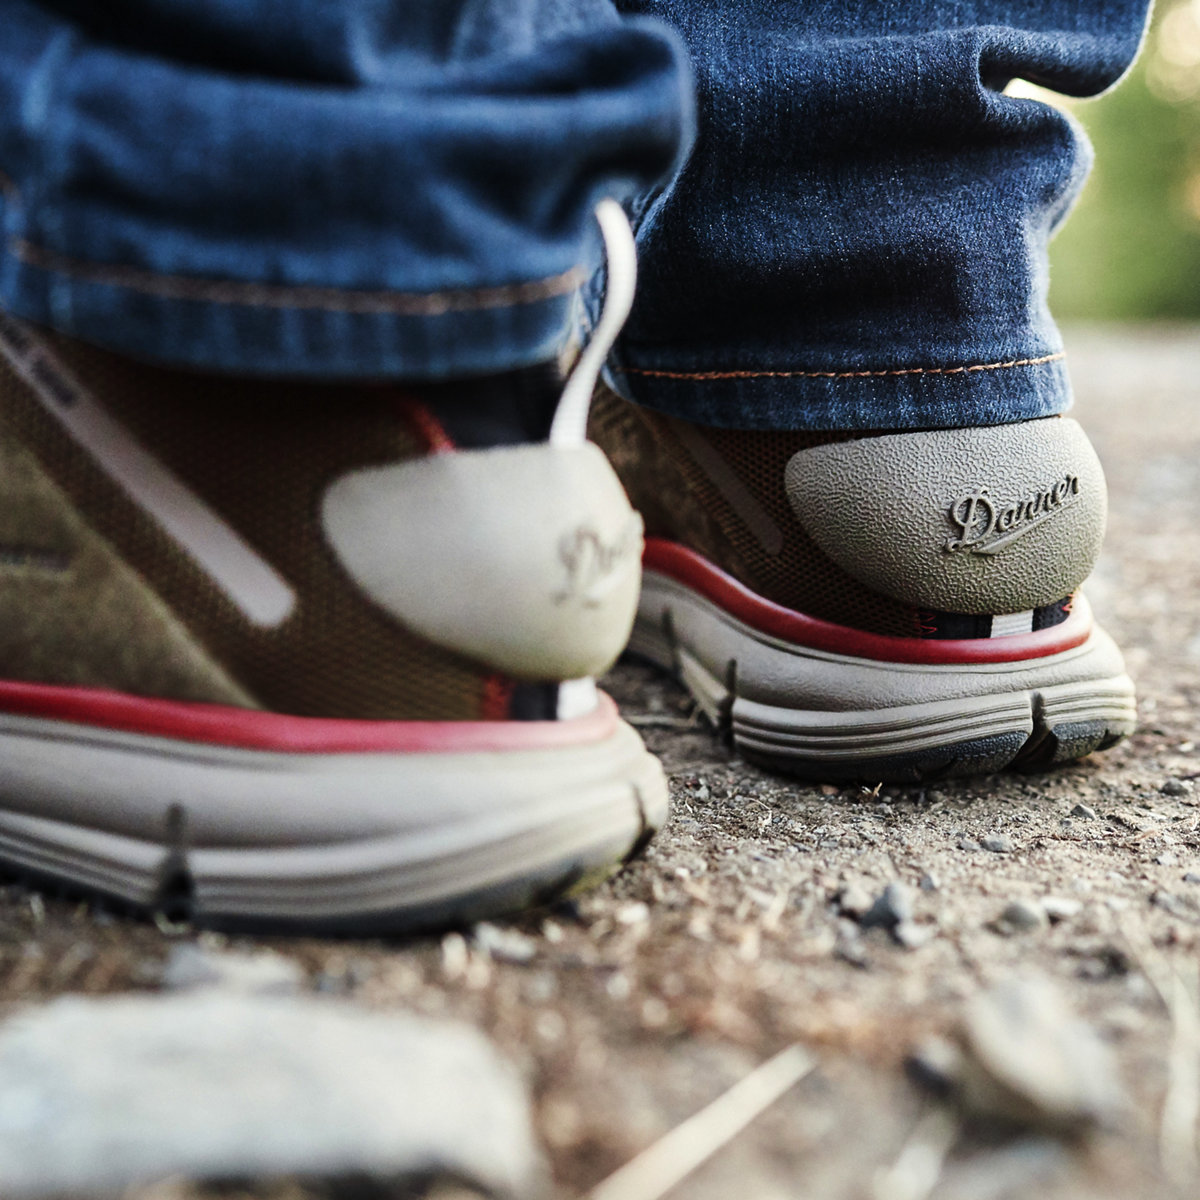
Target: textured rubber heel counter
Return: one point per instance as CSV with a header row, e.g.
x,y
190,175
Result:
x,y
998,519
524,558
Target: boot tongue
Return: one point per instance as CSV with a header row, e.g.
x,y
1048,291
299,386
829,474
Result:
x,y
512,409
544,403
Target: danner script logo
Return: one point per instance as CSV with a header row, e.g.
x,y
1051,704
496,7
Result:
x,y
595,567
986,526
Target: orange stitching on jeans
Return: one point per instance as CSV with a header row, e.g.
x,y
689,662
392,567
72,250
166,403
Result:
x,y
267,295
995,366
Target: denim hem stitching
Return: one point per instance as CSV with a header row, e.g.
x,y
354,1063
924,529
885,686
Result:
x,y
709,375
265,295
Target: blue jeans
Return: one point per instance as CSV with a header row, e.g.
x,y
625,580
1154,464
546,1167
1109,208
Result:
x,y
855,237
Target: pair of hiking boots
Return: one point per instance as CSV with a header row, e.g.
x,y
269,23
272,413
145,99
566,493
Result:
x,y
322,658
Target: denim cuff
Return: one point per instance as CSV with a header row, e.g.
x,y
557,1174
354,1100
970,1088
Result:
x,y
981,392
323,191
276,330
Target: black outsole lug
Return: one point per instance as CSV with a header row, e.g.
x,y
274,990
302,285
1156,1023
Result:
x,y
1068,743
1044,748
983,756
724,724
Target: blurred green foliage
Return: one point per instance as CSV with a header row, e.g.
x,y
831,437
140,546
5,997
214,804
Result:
x,y
1131,247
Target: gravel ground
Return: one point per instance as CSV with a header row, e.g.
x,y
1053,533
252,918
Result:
x,y
736,935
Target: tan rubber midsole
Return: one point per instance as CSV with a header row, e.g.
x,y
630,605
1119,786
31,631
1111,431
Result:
x,y
310,834
819,704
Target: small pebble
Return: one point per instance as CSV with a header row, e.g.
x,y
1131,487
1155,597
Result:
x,y
912,936
1083,812
655,1014
967,844
1185,909
1176,787
618,987
998,844
1192,877
634,913
1021,916
1061,908
936,1064
504,945
846,928
929,883
892,906
189,967
541,987
340,979
1107,960
854,901
851,950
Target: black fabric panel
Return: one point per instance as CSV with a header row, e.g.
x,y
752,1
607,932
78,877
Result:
x,y
498,410
534,702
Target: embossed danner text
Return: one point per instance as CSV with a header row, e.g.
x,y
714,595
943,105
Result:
x,y
986,526
595,565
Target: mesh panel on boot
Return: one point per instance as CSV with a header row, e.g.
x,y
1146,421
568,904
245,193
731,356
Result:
x,y
681,502
261,455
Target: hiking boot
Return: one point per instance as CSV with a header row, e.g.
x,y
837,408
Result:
x,y
876,606
308,657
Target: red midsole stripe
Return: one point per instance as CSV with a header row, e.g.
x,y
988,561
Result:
x,y
690,569
250,729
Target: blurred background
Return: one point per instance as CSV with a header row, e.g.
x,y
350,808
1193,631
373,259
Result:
x,y
1131,248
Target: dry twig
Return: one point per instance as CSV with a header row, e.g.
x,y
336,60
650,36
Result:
x,y
917,1169
1177,1147
660,1167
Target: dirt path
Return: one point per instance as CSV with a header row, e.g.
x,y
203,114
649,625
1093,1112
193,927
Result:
x,y
640,1003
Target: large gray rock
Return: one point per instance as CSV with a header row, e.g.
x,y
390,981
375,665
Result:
x,y
97,1096
1029,1060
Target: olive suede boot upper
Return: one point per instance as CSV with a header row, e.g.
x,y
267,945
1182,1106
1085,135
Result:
x,y
316,656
